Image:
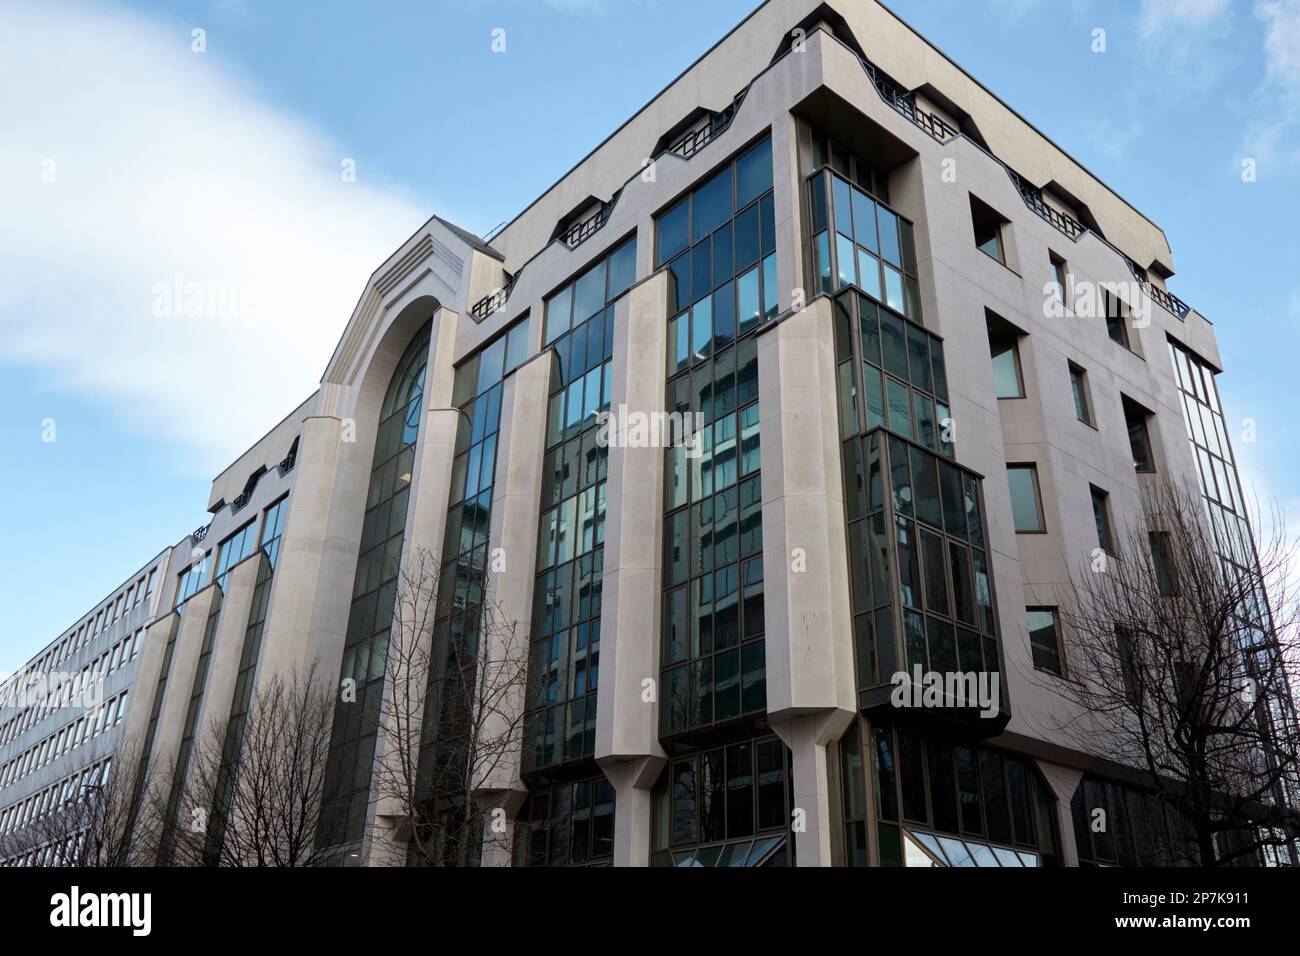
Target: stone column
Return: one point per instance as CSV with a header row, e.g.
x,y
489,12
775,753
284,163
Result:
x,y
633,807
1063,781
146,679
501,809
627,710
810,680
814,814
787,190
311,552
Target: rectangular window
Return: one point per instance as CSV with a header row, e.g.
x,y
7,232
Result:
x,y
1059,276
1128,661
1008,382
1079,386
1101,515
988,226
1045,640
873,246
1116,320
1162,559
585,296
1139,439
1026,505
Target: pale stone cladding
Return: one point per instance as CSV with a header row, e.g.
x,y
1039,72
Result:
x,y
852,72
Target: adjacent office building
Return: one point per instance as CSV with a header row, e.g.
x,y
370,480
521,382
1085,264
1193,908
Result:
x,y
61,715
844,272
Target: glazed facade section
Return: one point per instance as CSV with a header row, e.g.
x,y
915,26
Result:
x,y
723,287
879,449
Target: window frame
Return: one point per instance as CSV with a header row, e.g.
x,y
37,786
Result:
x,y
1103,520
1080,391
1032,468
983,213
1122,313
1159,545
1136,415
1001,337
1055,613
1060,276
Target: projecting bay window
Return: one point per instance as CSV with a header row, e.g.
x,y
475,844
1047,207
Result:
x,y
941,803
859,241
920,583
848,164
891,374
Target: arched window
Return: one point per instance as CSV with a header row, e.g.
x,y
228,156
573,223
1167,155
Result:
x,y
352,744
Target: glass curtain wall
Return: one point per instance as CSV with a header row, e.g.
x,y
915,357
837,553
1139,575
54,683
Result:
x,y
463,565
564,657
718,805
719,244
352,742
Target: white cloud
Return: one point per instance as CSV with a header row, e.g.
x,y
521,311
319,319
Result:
x,y
1166,16
165,164
1182,44
1273,137
1282,43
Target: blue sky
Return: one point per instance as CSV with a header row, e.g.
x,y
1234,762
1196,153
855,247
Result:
x,y
128,160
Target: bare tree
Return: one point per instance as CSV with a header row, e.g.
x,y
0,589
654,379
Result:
x,y
253,798
1182,668
99,825
456,674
